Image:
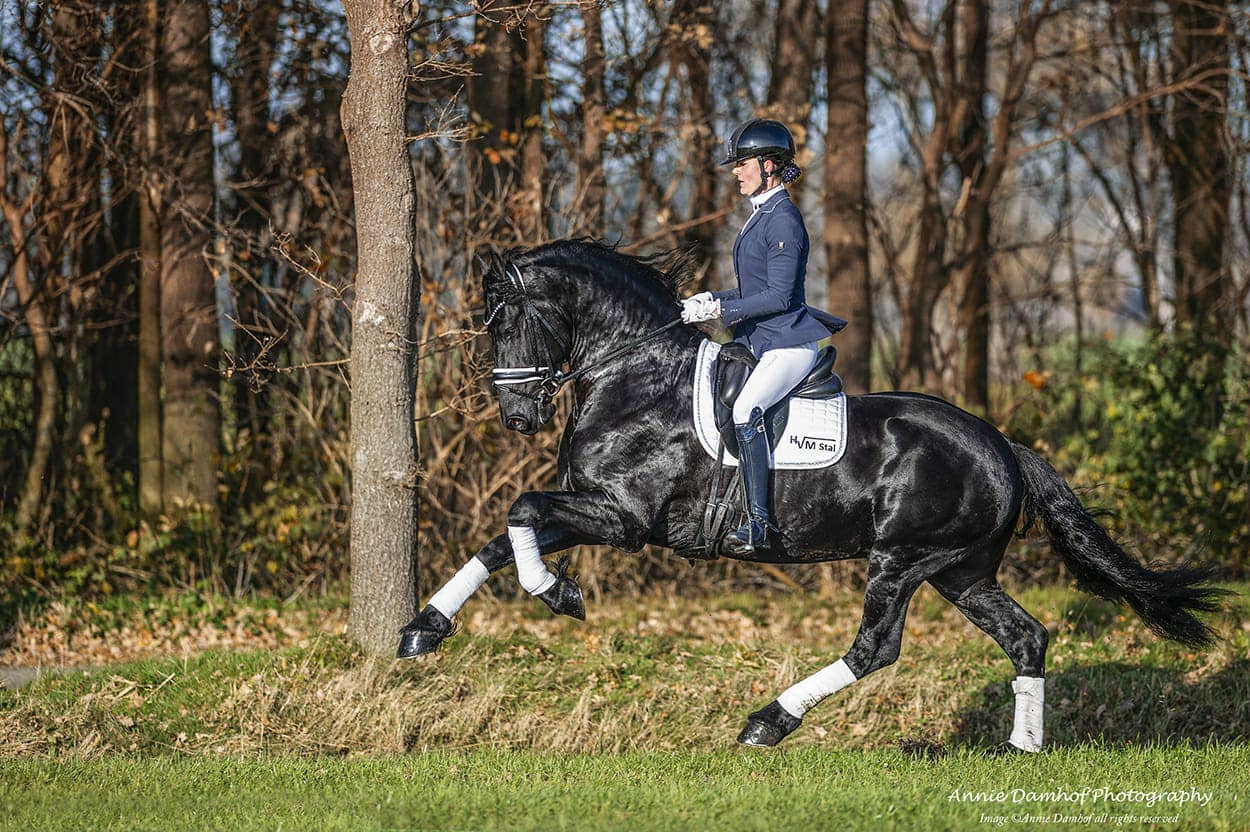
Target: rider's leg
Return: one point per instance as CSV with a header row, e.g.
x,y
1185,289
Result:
x,y
776,374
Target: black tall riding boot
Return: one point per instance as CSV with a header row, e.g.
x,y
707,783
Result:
x,y
753,456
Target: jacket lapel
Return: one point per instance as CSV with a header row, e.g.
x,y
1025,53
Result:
x,y
767,207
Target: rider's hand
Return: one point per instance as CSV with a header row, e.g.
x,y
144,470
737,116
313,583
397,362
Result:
x,y
699,308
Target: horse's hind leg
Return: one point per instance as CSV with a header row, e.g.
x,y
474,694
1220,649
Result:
x,y
1022,637
891,584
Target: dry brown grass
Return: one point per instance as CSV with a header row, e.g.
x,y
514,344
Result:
x,y
663,675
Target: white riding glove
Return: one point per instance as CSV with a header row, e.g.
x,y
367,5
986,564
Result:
x,y
700,307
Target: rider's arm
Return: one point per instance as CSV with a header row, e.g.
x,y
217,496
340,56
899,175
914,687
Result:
x,y
783,237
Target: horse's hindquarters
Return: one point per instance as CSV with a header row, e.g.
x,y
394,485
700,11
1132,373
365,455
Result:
x,y
917,472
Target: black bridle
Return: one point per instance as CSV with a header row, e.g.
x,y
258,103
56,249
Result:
x,y
541,335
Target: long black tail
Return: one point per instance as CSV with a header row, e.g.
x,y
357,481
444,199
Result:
x,y
1165,598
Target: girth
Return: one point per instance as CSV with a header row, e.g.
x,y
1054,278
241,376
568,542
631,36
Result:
x,y
735,362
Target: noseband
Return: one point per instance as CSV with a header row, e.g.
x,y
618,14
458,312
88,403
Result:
x,y
540,332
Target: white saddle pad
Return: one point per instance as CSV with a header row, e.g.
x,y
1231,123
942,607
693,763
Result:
x,y
815,431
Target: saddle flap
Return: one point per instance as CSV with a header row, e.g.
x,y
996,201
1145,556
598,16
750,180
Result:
x,y
734,363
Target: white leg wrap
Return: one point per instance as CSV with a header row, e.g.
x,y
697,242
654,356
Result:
x,y
530,569
804,695
464,583
1026,731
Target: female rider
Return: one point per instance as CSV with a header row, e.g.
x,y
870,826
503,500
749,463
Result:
x,y
767,310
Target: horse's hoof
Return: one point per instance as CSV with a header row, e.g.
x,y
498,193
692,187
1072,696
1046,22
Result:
x,y
564,597
1006,749
423,634
768,726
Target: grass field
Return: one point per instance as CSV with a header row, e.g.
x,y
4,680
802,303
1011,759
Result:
x,y
628,721
803,788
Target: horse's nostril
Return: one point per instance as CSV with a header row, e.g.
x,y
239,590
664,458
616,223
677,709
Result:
x,y
517,423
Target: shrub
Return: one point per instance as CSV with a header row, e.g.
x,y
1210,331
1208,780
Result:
x,y
1164,425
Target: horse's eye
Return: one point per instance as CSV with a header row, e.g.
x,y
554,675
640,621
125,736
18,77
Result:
x,y
502,322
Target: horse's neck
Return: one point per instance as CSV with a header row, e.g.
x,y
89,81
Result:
x,y
656,370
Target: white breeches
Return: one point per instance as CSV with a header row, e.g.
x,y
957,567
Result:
x,y
774,376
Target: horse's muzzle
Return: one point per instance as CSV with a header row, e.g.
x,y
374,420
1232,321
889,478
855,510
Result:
x,y
519,424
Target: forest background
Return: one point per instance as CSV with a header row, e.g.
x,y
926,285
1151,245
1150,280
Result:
x,y
1037,210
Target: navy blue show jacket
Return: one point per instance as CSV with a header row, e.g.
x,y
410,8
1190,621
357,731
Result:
x,y
768,309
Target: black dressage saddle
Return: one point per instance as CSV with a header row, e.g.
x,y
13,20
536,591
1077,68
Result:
x,y
735,362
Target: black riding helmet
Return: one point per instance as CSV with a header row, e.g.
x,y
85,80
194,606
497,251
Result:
x,y
762,139
759,137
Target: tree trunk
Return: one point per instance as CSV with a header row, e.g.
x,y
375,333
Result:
x,y
590,177
1198,160
790,90
495,92
794,60
190,440
384,315
928,276
690,16
257,45
846,193
533,157
974,273
149,195
114,353
47,385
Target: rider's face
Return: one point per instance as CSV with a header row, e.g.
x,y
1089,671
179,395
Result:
x,y
748,173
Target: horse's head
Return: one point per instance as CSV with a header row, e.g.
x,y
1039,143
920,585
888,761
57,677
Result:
x,y
530,343
569,302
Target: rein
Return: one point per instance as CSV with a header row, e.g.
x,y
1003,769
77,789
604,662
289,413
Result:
x,y
550,377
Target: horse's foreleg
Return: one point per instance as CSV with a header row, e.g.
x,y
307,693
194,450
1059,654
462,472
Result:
x,y
886,596
433,624
588,516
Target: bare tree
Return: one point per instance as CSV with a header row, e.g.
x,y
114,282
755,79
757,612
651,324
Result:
x,y
16,206
151,489
191,423
255,51
384,315
590,178
971,156
794,56
692,31
846,191
953,70
496,93
1197,158
530,211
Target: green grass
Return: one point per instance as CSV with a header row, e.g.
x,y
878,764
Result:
x,y
804,788
628,721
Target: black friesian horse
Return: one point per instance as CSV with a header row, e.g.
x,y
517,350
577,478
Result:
x,y
925,491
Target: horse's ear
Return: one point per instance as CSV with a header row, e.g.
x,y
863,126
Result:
x,y
482,266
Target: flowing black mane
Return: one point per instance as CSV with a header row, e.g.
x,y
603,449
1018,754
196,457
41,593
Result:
x,y
664,271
